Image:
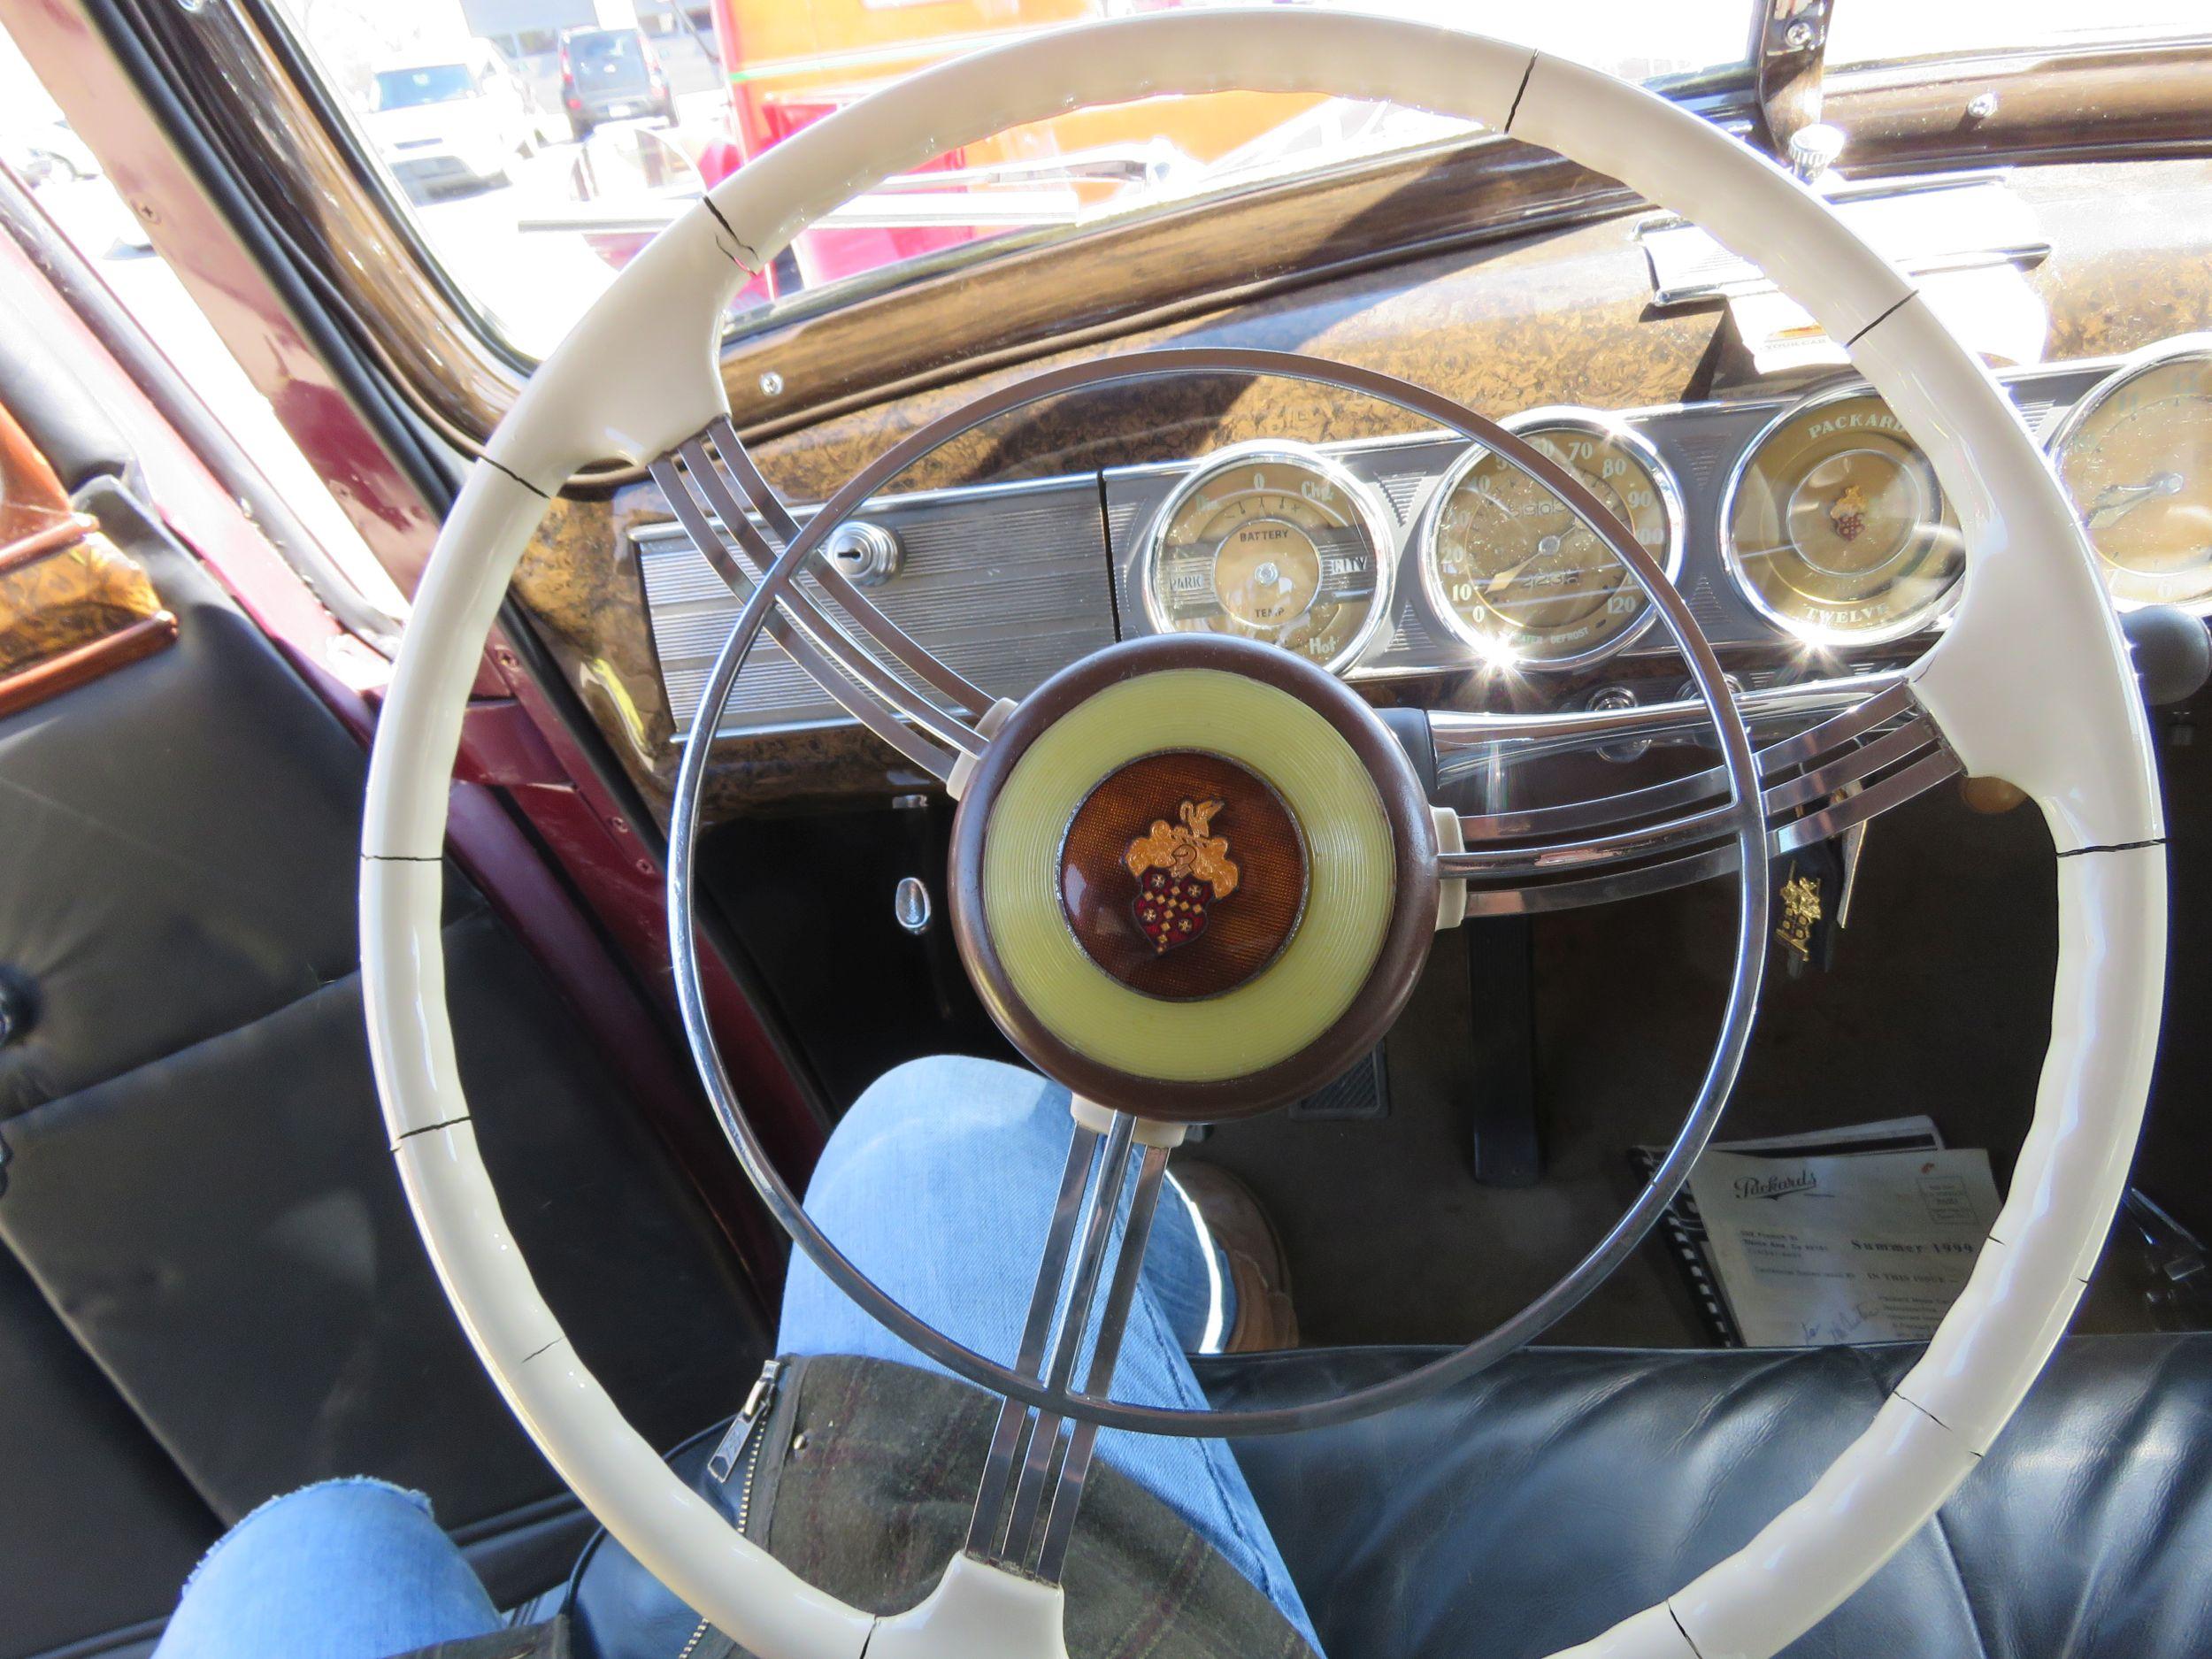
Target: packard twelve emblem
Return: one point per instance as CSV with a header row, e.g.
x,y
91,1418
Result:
x,y
1180,870
1848,513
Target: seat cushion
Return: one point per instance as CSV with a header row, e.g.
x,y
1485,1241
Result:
x,y
1532,1506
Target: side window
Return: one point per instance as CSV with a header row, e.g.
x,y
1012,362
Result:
x,y
72,187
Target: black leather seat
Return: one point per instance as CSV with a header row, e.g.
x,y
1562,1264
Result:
x,y
1532,1506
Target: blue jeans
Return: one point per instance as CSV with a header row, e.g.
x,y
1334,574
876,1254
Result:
x,y
938,1184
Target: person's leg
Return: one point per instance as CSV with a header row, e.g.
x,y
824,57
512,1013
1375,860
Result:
x,y
345,1570
939,1185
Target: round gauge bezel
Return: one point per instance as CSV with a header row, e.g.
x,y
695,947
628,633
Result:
x,y
1927,617
1564,418
1376,518
2061,429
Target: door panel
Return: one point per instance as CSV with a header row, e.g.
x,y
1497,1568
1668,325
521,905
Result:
x,y
230,1298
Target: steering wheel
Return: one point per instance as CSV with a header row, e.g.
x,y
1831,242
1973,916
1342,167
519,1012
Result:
x,y
1269,776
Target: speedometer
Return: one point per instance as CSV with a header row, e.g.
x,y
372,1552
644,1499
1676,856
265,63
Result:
x,y
1514,573
2136,458
1274,542
1835,527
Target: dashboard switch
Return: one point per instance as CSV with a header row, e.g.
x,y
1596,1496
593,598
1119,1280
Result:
x,y
1814,150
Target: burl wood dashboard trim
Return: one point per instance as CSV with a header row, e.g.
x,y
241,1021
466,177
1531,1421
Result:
x,y
86,662
1557,316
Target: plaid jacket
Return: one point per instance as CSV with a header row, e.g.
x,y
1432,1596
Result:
x,y
864,1484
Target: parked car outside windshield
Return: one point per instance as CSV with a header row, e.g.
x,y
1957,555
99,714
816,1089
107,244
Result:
x,y
612,75
427,83
441,123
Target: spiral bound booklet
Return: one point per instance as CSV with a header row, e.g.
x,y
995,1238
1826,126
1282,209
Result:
x,y
1688,1241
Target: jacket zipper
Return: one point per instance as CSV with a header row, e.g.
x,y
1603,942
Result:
x,y
740,1439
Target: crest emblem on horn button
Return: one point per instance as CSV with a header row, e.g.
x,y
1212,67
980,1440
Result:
x,y
1173,912
1180,870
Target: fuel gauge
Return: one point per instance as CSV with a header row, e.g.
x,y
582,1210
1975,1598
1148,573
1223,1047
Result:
x,y
1272,541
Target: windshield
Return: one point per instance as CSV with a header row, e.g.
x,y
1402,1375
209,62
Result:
x,y
426,83
599,160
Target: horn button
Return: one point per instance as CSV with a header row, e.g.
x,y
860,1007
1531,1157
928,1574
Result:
x,y
1193,877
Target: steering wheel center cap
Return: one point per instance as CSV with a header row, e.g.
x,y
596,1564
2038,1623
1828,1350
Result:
x,y
1194,878
1183,874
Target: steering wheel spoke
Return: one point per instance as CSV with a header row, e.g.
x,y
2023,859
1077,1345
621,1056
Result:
x,y
1039,1458
1815,784
1471,744
1121,1294
738,469
986,1530
709,501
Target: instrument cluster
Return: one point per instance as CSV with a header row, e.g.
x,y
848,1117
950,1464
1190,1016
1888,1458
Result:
x,y
1818,520
1814,524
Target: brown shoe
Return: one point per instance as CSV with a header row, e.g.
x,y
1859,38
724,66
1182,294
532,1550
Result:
x,y
1259,1271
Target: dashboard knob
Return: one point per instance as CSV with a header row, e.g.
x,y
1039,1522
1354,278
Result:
x,y
910,904
865,555
1617,700
1814,150
2172,655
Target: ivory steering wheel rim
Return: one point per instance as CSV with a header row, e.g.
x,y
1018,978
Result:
x,y
2033,635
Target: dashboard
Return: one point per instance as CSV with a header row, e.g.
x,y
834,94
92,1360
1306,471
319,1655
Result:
x,y
1811,523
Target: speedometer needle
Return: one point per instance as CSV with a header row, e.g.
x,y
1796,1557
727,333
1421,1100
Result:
x,y
1504,578
2116,501
1546,546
